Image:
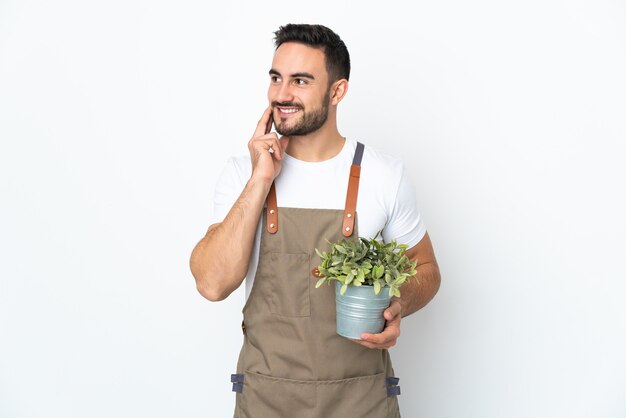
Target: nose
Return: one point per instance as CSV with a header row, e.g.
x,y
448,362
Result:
x,y
281,93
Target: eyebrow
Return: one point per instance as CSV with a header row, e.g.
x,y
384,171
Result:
x,y
294,75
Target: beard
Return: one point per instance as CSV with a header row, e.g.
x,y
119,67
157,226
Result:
x,y
308,123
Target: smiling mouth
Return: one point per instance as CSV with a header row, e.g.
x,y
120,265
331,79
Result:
x,y
288,110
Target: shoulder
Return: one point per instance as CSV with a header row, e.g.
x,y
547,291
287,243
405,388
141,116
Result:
x,y
240,162
381,164
238,168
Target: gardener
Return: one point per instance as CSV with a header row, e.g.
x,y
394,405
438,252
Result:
x,y
296,191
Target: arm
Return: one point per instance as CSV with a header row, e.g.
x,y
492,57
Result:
x,y
415,294
217,261
420,290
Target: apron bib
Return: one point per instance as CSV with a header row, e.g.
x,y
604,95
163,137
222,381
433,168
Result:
x,y
292,363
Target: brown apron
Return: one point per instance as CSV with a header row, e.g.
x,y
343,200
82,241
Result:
x,y
292,363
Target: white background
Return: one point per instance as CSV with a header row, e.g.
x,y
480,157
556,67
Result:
x,y
117,116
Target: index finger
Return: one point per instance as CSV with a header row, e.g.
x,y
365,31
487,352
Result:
x,y
384,337
261,127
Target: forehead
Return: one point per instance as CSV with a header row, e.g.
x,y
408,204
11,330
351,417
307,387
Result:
x,y
292,57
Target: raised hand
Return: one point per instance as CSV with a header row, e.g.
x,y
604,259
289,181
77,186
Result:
x,y
266,149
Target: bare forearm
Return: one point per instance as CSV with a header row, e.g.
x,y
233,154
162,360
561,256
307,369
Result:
x,y
419,291
219,262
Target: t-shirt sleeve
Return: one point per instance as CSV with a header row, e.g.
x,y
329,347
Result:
x,y
227,190
405,224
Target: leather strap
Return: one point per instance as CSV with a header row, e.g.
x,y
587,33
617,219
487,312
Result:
x,y
349,212
271,205
272,210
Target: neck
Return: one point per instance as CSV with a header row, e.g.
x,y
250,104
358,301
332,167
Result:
x,y
320,145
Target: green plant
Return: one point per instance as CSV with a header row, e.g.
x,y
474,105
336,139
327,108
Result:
x,y
366,262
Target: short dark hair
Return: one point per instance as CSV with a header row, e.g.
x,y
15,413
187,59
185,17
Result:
x,y
318,36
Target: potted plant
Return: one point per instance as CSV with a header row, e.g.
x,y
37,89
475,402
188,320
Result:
x,y
362,269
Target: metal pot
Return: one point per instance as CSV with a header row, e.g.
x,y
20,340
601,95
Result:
x,y
360,310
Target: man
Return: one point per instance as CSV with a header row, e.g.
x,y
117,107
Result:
x,y
273,208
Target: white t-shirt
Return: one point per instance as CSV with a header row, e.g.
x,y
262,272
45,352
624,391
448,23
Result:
x,y
386,198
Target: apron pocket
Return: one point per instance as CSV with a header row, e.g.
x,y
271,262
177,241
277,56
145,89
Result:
x,y
363,397
290,285
271,397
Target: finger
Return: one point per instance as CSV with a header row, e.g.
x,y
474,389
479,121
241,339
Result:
x,y
263,122
274,145
260,145
375,346
271,143
390,333
366,344
281,146
264,141
270,122
378,339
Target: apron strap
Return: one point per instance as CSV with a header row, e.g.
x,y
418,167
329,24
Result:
x,y
351,197
353,191
272,206
272,210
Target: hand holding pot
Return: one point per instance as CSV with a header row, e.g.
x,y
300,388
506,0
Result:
x,y
389,336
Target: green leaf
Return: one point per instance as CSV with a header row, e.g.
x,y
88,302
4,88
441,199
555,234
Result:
x,y
320,282
318,253
377,287
378,272
340,248
343,289
349,278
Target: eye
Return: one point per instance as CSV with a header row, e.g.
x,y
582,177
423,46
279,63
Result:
x,y
300,81
275,79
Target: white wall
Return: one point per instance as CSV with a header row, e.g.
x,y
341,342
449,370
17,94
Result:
x,y
117,116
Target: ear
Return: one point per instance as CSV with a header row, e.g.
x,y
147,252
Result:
x,y
338,91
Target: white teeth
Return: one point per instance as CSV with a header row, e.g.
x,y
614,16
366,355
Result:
x,y
288,110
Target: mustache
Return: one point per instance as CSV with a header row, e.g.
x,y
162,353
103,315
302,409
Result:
x,y
286,104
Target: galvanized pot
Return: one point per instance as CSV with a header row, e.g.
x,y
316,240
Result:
x,y
360,310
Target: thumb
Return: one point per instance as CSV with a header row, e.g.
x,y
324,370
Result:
x,y
394,310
